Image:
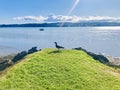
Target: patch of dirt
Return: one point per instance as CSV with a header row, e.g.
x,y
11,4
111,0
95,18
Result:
x,y
116,74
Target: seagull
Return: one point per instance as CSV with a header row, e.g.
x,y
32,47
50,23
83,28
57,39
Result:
x,y
57,46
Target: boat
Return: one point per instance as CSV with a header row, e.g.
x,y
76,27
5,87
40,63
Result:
x,y
41,29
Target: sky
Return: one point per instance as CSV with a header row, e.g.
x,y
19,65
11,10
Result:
x,y
28,11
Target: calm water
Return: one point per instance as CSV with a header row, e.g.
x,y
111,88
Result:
x,y
95,39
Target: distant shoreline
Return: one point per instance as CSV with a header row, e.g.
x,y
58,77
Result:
x,y
64,24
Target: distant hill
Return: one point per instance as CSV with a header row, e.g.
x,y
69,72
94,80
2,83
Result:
x,y
60,70
65,24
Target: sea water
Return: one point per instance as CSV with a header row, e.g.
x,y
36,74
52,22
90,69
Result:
x,y
94,39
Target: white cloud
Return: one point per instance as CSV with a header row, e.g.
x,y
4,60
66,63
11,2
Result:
x,y
61,18
35,18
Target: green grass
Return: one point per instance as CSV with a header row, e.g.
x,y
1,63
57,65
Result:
x,y
64,70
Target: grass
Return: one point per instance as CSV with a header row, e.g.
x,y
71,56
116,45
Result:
x,y
63,70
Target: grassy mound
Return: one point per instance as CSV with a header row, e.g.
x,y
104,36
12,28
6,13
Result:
x,y
63,70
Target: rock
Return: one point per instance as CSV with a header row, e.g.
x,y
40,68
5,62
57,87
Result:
x,y
5,63
114,61
19,56
32,50
9,60
100,58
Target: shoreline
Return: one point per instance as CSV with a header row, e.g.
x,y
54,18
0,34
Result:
x,y
11,59
105,59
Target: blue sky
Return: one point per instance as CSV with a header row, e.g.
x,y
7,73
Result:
x,y
10,9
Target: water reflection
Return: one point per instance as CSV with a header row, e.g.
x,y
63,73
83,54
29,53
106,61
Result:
x,y
95,39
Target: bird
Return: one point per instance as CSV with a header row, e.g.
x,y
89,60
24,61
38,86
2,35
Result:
x,y
57,46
